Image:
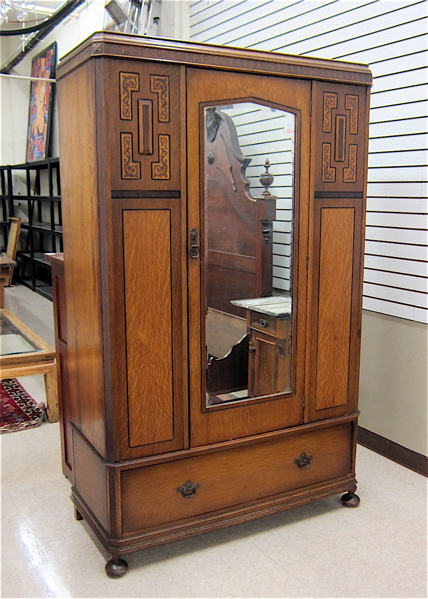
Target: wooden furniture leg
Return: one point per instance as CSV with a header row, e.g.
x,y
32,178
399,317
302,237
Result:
x,y
116,567
51,388
350,499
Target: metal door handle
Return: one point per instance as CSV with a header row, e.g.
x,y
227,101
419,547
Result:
x,y
194,243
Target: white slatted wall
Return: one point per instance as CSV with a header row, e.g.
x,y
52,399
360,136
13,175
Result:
x,y
265,133
391,37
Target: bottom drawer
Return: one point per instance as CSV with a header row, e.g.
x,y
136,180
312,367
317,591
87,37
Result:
x,y
150,495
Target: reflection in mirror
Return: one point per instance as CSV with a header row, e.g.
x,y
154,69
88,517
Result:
x,y
249,189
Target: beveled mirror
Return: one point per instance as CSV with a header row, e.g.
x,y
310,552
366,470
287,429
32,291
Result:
x,y
249,151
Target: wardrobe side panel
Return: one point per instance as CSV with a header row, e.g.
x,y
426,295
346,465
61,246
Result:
x,y
339,148
77,115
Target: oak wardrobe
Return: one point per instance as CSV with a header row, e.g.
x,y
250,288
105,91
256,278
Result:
x,y
213,203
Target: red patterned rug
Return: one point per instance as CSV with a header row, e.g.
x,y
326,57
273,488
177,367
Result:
x,y
18,409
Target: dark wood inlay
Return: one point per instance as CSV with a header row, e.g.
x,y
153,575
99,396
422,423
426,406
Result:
x,y
144,193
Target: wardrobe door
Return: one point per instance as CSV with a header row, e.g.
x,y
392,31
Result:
x,y
143,240
248,171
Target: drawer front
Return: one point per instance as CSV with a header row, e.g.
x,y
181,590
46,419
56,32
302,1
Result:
x,y
263,322
157,495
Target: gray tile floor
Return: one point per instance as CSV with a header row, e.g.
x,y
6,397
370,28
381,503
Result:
x,y
318,550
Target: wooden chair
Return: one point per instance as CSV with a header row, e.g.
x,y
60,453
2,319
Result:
x,y
12,244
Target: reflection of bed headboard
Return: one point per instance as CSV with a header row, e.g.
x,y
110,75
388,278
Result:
x,y
239,226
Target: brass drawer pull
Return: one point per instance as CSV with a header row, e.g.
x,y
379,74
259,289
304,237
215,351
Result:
x,y
188,489
304,461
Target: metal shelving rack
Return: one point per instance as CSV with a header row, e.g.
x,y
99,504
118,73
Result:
x,y
34,194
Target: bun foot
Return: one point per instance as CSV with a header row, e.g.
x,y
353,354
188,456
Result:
x,y
350,500
115,568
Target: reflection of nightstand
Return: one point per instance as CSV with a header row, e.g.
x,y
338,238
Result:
x,y
268,324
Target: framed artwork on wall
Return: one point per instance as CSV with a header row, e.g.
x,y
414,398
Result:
x,y
41,104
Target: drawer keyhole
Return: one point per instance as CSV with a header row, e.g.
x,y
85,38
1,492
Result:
x,y
189,489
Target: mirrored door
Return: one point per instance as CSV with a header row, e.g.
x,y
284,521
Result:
x,y
249,164
245,191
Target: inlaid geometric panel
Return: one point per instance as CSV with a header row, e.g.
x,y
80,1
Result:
x,y
147,126
160,85
130,168
328,172
161,169
129,82
342,126
330,102
340,142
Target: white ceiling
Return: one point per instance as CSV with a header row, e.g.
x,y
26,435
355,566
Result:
x,y
41,11
11,46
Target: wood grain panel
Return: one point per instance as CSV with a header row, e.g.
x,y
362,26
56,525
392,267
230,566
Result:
x,y
148,297
80,191
334,312
90,478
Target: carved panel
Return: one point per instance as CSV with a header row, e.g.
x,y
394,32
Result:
x,y
161,169
328,172
160,85
340,143
129,82
351,103
144,126
130,169
350,172
330,102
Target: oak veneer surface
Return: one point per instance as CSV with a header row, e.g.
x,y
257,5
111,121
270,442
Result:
x,y
334,318
150,495
90,477
77,113
148,300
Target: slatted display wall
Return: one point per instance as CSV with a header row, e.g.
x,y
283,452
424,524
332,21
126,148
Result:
x,y
391,37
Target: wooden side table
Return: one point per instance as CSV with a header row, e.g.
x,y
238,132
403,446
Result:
x,y
6,264
269,329
23,353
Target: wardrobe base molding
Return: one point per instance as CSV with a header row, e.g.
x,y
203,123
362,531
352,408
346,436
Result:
x,y
156,502
204,524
